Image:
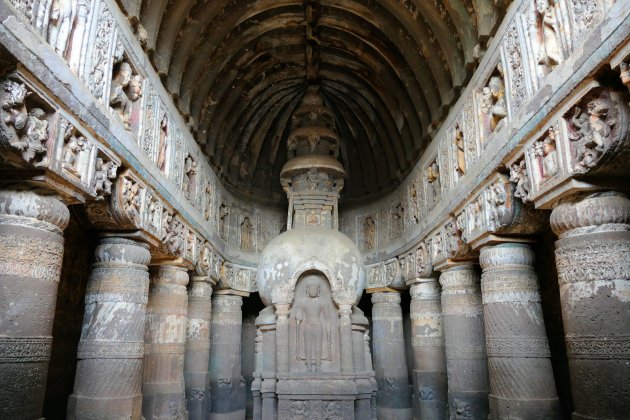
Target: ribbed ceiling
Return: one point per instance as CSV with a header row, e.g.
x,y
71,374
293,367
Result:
x,y
388,69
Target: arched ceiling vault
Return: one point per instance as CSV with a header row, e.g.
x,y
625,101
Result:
x,y
388,69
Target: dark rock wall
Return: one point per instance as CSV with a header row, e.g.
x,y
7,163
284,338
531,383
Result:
x,y
78,254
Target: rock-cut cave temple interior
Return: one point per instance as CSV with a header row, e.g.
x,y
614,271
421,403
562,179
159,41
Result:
x,y
315,209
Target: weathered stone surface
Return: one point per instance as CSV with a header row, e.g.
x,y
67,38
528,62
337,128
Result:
x,y
226,382
165,344
464,340
31,253
521,378
427,341
393,400
108,381
197,357
593,261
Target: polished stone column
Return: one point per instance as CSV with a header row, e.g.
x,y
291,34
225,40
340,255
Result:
x,y
429,374
394,397
370,370
282,340
165,343
363,403
257,382
464,340
519,366
108,381
593,261
31,254
228,391
198,348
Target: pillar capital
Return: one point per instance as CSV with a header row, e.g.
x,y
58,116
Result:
x,y
386,297
506,254
30,205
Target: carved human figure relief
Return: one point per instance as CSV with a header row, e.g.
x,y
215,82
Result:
x,y
189,183
546,155
369,233
520,177
591,129
398,220
126,88
130,199
104,174
74,146
493,104
460,152
313,325
549,53
247,234
62,18
224,213
433,179
163,146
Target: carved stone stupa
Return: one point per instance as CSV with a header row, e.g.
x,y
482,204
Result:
x,y
311,277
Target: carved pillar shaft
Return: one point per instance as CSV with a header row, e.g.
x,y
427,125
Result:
x,y
282,339
345,333
519,365
464,341
394,399
256,383
31,254
108,380
430,389
198,348
268,385
593,261
164,346
228,393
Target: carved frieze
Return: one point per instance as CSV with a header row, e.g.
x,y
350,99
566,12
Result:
x,y
492,104
238,277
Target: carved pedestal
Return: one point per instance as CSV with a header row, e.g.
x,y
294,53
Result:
x,y
198,348
593,261
31,253
521,378
228,389
429,374
108,380
394,398
464,340
164,346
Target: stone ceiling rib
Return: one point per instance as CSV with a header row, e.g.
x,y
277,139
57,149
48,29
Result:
x,y
388,69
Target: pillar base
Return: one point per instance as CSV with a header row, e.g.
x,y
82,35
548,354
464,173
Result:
x,y
531,409
80,407
468,405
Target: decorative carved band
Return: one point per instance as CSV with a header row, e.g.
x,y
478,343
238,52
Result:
x,y
517,347
25,349
27,222
164,348
110,350
600,347
591,261
470,352
30,257
427,342
118,296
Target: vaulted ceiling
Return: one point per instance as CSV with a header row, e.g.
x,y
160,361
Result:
x,y
388,69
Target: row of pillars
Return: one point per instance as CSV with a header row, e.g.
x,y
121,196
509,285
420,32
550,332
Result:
x,y
479,342
145,346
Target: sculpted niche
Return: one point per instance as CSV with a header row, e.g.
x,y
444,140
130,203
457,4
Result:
x,y
314,341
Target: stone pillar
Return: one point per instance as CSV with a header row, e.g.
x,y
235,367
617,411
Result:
x,y
31,254
257,382
108,381
394,398
198,348
282,340
266,321
371,373
363,403
165,343
519,366
593,261
228,393
464,340
429,374
345,336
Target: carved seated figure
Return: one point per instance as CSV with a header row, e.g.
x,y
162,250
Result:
x,y
313,328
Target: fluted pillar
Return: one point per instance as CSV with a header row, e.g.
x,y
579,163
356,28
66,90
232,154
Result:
x,y
593,261
464,341
228,391
108,381
394,398
164,344
429,373
31,254
519,366
198,348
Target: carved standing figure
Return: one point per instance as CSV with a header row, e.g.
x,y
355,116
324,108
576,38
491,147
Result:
x,y
313,327
62,17
162,146
370,232
550,49
246,234
550,155
433,177
460,169
74,146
